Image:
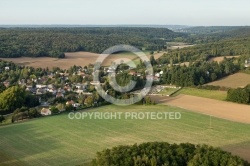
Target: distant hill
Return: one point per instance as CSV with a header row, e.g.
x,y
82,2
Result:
x,y
37,42
209,29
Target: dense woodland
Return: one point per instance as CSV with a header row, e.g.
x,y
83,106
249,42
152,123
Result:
x,y
203,52
54,42
164,154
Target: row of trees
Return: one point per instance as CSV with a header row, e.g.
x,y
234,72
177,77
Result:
x,y
239,95
161,153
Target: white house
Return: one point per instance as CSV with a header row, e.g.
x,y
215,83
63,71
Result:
x,y
45,112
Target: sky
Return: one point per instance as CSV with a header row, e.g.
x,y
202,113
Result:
x,y
116,12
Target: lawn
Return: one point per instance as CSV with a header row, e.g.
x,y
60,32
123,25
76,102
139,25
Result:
x,y
211,94
57,140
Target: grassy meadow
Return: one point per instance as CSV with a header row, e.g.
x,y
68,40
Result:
x,y
211,94
57,140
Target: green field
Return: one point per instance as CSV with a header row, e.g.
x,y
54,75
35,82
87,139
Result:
x,y
211,94
57,140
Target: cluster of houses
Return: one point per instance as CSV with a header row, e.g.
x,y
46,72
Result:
x,y
40,89
46,111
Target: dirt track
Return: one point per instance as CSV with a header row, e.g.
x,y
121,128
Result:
x,y
220,109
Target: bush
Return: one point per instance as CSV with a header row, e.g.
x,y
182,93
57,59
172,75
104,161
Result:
x,y
54,110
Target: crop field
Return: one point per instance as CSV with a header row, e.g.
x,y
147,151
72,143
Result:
x,y
233,81
76,58
225,110
211,94
57,140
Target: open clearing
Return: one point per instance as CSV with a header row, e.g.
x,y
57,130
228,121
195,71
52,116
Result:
x,y
57,140
76,58
220,59
233,81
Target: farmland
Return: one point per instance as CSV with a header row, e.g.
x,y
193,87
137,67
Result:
x,y
222,109
76,58
57,140
233,81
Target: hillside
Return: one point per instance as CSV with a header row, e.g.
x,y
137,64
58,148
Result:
x,y
54,42
57,140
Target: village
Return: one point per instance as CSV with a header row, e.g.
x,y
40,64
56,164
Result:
x,y
72,89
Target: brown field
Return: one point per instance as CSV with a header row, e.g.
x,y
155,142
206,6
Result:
x,y
221,109
215,108
233,81
220,59
76,58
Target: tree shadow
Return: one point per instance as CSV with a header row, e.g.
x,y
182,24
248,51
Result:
x,y
241,149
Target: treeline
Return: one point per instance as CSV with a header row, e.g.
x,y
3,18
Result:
x,y
239,95
203,52
198,73
161,153
203,35
54,42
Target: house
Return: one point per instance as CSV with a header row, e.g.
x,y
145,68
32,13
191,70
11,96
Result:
x,y
95,83
70,102
156,79
40,91
7,68
79,91
59,94
6,84
76,105
132,72
45,103
38,86
45,112
247,63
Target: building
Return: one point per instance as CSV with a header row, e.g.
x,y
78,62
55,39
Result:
x,y
247,63
45,112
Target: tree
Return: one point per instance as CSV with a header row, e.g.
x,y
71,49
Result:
x,y
1,118
69,107
12,98
31,101
60,107
152,60
2,87
33,113
147,100
89,101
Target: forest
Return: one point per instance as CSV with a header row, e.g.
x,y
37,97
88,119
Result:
x,y
54,42
165,154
